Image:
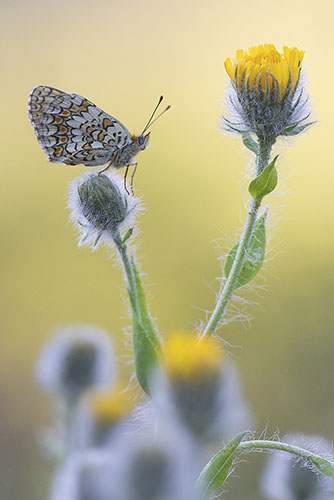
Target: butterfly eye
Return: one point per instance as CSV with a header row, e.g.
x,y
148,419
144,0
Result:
x,y
140,140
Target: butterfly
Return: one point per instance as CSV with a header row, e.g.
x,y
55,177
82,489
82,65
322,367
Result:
x,y
72,130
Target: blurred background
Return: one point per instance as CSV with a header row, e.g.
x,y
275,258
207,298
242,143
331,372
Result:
x,y
193,180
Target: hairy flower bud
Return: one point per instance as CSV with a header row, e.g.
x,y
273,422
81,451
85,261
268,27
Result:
x,y
75,359
102,203
100,206
267,93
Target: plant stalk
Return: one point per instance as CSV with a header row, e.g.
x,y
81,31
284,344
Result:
x,y
225,294
258,444
323,465
129,273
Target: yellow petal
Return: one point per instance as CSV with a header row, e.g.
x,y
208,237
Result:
x,y
230,68
261,62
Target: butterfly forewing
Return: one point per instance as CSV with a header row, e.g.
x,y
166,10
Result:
x,y
72,130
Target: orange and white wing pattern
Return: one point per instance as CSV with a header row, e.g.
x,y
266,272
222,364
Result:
x,y
72,130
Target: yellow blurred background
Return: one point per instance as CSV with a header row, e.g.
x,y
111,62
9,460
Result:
x,y
192,178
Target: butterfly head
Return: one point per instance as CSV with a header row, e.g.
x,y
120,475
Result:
x,y
142,141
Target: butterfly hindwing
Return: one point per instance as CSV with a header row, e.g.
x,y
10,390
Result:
x,y
73,130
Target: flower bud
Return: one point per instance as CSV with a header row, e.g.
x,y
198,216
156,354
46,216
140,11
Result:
x,y
200,387
102,203
75,359
100,206
266,93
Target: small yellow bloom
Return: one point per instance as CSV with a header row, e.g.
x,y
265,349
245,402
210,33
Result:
x,y
263,63
188,358
110,406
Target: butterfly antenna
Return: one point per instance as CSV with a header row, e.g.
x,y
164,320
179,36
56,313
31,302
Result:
x,y
157,118
151,121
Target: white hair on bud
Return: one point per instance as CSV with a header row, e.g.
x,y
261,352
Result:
x,y
89,233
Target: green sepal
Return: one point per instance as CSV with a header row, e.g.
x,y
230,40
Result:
x,y
323,465
127,235
230,126
250,143
146,343
97,239
264,183
296,128
254,256
214,474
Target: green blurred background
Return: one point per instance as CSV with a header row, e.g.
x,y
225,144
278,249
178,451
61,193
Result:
x,y
192,178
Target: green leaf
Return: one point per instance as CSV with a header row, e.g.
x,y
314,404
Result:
x,y
254,256
250,143
214,474
323,465
128,235
146,343
264,183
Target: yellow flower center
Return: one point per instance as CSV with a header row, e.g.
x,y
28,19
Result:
x,y
185,357
110,406
263,62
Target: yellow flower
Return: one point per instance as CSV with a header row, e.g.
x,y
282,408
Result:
x,y
261,64
110,406
185,357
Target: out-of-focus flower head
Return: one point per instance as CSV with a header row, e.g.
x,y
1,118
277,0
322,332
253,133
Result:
x,y
102,412
108,407
100,207
186,358
266,96
75,359
198,384
154,462
284,478
86,475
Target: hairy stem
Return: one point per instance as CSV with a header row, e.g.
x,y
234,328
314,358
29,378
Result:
x,y
226,292
129,273
258,444
323,465
146,341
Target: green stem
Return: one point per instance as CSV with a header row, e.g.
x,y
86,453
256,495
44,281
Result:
x,y
226,292
275,445
322,464
146,342
129,273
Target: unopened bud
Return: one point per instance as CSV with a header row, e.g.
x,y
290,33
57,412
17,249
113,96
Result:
x,y
100,206
102,203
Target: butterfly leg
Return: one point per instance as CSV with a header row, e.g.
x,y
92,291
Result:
x,y
113,159
125,176
132,177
